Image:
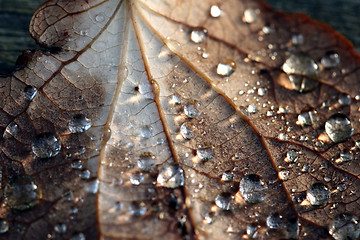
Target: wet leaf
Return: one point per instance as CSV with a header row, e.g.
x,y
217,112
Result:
x,y
162,119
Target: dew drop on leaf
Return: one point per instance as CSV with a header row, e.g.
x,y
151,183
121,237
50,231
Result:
x,y
186,131
274,221
330,60
205,154
338,127
146,162
22,193
12,129
251,230
79,123
100,17
297,39
29,93
171,176
60,228
261,92
227,176
46,145
215,11
191,111
137,209
198,35
251,15
252,188
226,68
78,236
318,194
292,155
224,201
85,174
344,100
308,117
345,226
146,131
252,108
4,226
136,179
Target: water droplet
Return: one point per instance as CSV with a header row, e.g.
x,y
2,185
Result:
x,y
346,156
85,174
284,175
252,188
261,92
198,35
79,123
146,132
146,162
297,39
330,60
79,236
305,168
12,129
224,201
226,68
205,154
345,226
338,127
344,100
191,111
175,99
292,155
100,17
137,209
60,228
215,11
318,194
29,93
252,108
227,176
136,179
251,15
4,226
283,137
308,117
186,130
171,176
77,164
305,70
22,193
92,187
274,221
83,33
46,145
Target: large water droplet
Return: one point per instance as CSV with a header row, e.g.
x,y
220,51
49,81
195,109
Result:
x,y
338,127
146,162
4,226
226,68
330,60
215,11
22,193
191,111
205,154
224,201
29,93
198,35
46,145
79,123
251,15
345,226
274,221
252,188
186,130
308,117
302,71
171,176
318,194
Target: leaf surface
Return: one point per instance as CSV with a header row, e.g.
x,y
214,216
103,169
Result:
x,y
237,126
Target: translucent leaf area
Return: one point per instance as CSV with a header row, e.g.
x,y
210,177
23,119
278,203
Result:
x,y
169,119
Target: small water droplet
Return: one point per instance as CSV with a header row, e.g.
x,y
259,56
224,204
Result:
x,y
85,174
136,179
345,226
146,132
205,154
92,187
302,71
251,15
338,127
198,35
346,156
274,221
77,164
60,228
305,168
215,11
29,93
22,193
83,33
12,129
100,17
137,209
4,226
171,176
292,155
46,145
308,117
344,100
146,162
284,175
283,137
330,60
79,123
227,176
297,39
252,108
251,230
175,99
191,111
226,68
224,201
261,92
79,236
252,188
318,194
186,130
